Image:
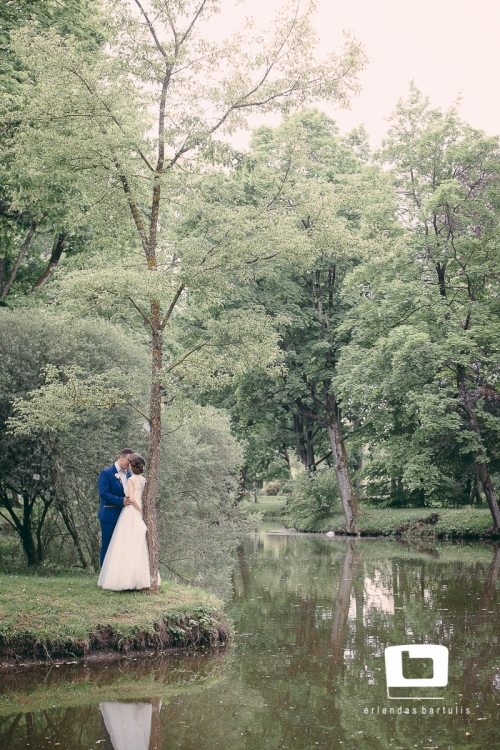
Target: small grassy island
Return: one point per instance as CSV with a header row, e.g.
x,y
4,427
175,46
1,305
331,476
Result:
x,y
68,616
441,523
467,522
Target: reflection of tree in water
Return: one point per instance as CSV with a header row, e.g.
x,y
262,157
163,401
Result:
x,y
78,727
317,601
129,726
242,562
70,727
305,661
8,729
475,667
342,604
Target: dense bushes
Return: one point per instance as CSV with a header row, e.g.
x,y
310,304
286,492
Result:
x,y
313,494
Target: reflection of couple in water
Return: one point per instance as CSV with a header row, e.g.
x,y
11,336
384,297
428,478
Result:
x,y
129,724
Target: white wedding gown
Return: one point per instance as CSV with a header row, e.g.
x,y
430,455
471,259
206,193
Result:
x,y
126,565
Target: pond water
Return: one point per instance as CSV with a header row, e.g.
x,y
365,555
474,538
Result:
x,y
306,668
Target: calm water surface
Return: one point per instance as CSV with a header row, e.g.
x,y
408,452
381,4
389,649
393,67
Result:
x,y
306,668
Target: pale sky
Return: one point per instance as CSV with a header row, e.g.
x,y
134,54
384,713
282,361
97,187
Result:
x,y
449,47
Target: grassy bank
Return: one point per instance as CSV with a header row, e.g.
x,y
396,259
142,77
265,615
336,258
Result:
x,y
68,615
271,507
440,523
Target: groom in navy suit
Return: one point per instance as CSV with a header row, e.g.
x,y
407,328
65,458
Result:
x,y
112,485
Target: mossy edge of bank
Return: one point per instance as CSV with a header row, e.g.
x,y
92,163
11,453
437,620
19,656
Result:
x,y
60,616
438,523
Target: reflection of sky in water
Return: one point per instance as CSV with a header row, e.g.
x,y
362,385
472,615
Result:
x,y
378,594
312,619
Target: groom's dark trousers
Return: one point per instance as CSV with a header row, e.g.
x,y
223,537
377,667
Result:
x,y
112,496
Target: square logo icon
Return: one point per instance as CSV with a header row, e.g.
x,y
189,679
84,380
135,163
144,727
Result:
x,y
436,657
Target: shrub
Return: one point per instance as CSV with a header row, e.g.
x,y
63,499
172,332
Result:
x,y
313,494
273,488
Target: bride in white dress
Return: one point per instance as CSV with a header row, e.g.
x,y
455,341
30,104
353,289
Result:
x,y
126,565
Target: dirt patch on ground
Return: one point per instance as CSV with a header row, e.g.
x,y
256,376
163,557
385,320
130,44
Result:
x,y
407,528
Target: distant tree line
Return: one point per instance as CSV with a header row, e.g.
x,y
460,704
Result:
x,y
323,306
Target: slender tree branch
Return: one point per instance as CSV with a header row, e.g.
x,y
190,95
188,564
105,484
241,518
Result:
x,y
172,305
183,359
189,28
186,580
145,317
110,113
152,30
137,410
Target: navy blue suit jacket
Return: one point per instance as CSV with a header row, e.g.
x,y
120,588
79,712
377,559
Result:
x,y
111,493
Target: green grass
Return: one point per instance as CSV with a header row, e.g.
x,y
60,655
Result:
x,y
71,615
451,523
272,506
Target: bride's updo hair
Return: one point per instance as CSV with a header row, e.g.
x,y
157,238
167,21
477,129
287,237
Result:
x,y
137,462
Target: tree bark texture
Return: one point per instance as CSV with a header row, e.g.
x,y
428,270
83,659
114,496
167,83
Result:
x,y
154,451
477,488
19,258
480,457
240,493
302,427
29,534
310,460
55,257
341,466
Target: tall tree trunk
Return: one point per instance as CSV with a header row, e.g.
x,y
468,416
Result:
x,y
477,487
26,533
154,447
240,492
441,274
302,427
29,547
286,457
66,515
310,460
39,545
2,271
19,258
340,465
480,457
23,525
298,428
55,257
